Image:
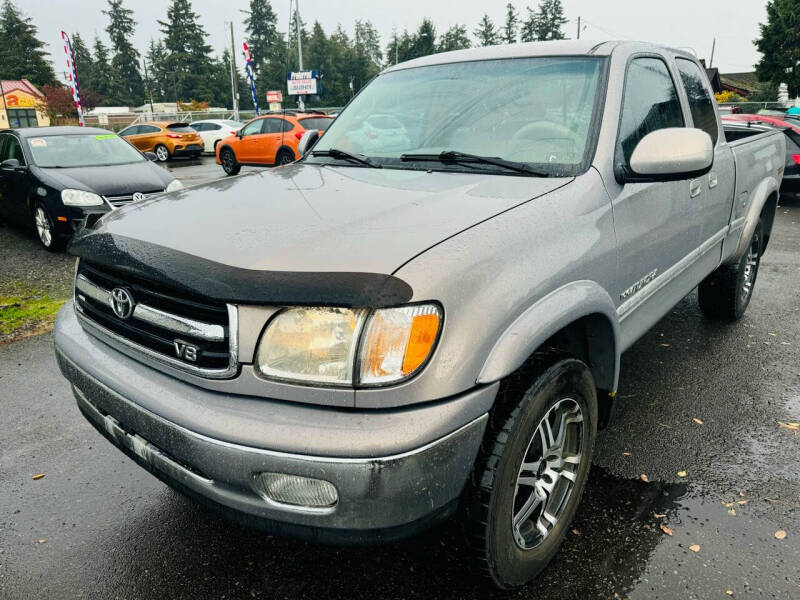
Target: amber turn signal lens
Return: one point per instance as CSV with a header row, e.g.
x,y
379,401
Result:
x,y
423,335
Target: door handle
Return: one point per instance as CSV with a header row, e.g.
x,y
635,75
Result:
x,y
695,187
712,180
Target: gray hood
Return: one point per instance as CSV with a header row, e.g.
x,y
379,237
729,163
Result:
x,y
307,217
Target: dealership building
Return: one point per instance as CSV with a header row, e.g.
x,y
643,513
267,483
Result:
x,y
21,105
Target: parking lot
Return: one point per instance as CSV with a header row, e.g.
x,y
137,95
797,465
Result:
x,y
706,399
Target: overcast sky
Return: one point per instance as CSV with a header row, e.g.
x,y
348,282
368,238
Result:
x,y
682,23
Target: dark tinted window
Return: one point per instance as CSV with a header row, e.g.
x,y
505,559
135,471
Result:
x,y
212,127
148,129
180,128
700,103
12,149
130,131
320,123
200,126
650,103
272,126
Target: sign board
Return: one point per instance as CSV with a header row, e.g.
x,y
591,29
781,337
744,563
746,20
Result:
x,y
274,96
301,83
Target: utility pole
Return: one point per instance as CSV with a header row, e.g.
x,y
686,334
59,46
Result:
x,y
300,102
395,45
579,27
234,87
713,47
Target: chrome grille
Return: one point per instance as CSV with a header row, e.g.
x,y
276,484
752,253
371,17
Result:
x,y
161,323
128,198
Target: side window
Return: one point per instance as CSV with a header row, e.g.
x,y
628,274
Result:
x,y
129,131
272,126
650,103
148,129
253,127
287,126
199,126
212,127
13,149
700,103
3,140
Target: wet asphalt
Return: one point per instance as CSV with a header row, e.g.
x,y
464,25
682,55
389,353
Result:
x,y
98,526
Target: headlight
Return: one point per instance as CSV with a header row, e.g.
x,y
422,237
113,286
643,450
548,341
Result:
x,y
80,198
318,345
174,186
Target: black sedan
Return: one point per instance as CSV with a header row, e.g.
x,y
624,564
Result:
x,y
58,178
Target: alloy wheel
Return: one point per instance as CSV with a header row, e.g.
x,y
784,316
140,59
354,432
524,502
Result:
x,y
548,474
162,153
43,227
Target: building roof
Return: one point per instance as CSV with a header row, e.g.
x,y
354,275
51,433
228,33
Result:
x,y
23,85
741,82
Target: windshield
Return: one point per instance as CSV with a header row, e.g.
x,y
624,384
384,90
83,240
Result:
x,y
82,150
530,110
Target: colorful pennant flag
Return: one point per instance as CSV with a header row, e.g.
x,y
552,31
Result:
x,y
72,74
251,75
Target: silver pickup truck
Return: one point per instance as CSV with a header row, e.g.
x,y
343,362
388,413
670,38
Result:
x,y
425,314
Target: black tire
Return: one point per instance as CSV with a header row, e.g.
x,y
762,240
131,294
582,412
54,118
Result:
x,y
44,228
228,160
284,157
726,293
162,153
511,556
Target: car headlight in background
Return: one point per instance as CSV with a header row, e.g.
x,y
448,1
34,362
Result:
x,y
334,345
80,198
174,186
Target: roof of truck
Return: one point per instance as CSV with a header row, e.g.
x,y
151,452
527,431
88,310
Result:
x,y
532,49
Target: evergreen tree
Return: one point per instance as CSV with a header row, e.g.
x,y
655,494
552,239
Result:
x,y
486,33
399,49
126,81
511,26
84,64
267,46
100,75
455,38
424,40
187,53
546,23
22,54
780,52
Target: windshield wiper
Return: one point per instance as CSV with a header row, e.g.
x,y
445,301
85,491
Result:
x,y
336,153
455,156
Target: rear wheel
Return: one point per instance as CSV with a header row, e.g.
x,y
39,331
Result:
x,y
228,160
45,229
726,293
162,154
531,476
284,157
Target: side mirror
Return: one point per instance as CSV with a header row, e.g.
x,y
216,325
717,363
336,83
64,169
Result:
x,y
238,133
11,164
671,154
150,156
307,142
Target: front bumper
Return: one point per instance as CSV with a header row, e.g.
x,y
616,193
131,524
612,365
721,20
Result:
x,y
382,497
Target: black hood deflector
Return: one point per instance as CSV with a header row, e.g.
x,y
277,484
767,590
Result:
x,y
216,281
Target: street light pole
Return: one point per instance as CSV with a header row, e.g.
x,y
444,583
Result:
x,y
234,87
299,45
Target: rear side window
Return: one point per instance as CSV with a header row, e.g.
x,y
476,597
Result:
x,y
148,129
200,126
700,103
180,128
650,103
320,123
276,125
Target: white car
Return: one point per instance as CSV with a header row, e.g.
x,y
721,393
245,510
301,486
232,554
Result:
x,y
213,130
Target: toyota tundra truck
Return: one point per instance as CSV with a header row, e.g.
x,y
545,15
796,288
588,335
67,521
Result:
x,y
401,328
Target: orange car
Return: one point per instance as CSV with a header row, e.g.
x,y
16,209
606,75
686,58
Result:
x,y
165,139
268,140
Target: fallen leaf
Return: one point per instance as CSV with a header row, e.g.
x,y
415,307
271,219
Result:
x,y
626,454
666,529
681,473
658,516
785,344
37,476
644,478
742,501
741,493
773,334
729,592
664,345
698,421
42,541
732,512
780,534
576,532
792,426
694,548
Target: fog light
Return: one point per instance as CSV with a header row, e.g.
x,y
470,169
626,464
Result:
x,y
296,490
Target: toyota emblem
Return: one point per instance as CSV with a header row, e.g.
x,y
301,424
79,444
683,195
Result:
x,y
122,303
138,196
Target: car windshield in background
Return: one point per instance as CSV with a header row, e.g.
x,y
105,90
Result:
x,y
538,111
234,124
320,123
82,150
181,128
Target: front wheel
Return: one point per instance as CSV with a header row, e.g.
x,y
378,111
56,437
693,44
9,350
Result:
x,y
162,154
45,229
530,478
228,160
726,293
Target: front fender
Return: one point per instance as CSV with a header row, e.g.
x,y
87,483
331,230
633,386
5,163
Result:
x,y
559,309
